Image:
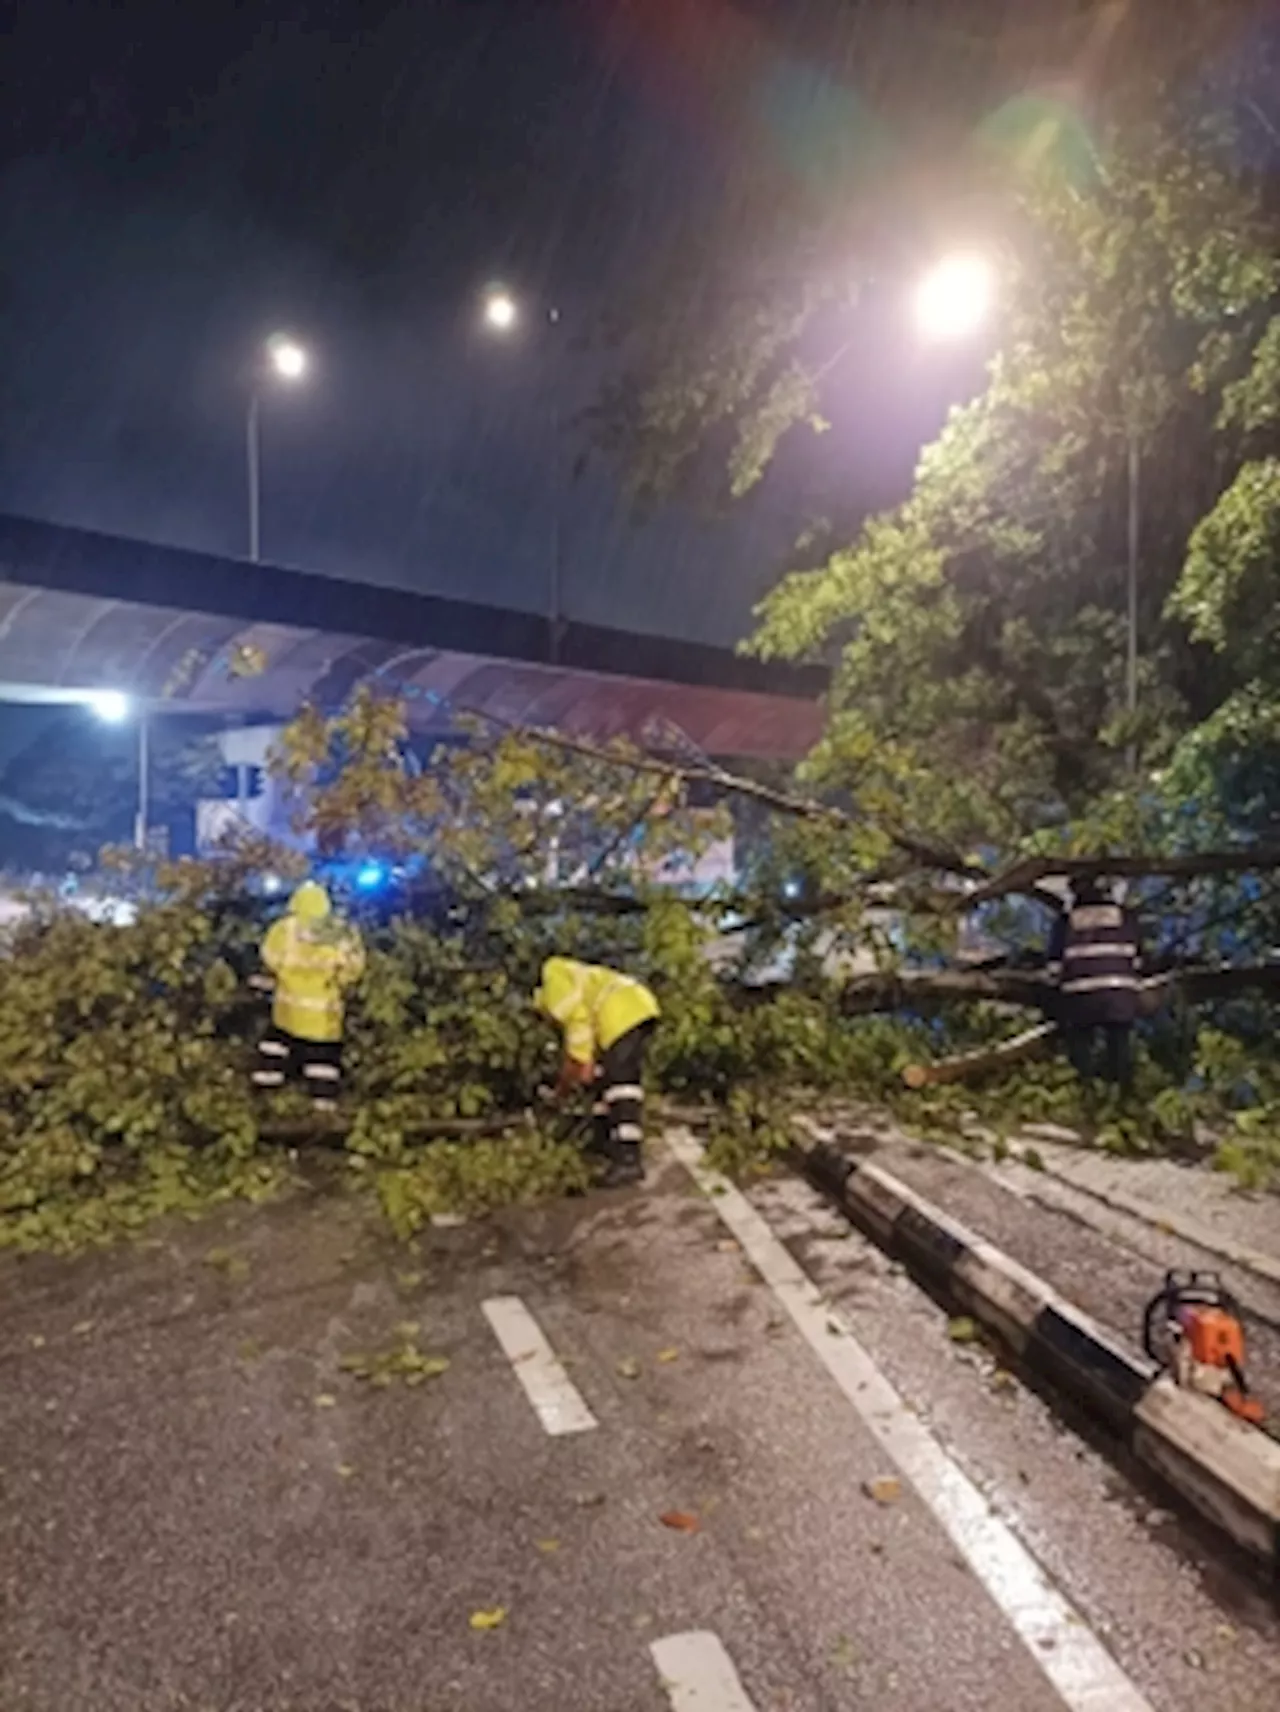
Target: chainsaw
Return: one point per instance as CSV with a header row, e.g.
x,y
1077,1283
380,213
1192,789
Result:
x,y
1193,1329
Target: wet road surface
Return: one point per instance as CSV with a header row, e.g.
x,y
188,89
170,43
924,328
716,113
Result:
x,y
638,1483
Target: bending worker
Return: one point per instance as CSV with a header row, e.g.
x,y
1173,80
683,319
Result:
x,y
607,1019
314,956
1093,955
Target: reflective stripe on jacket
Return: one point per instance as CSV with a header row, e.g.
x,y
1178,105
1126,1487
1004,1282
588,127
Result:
x,y
594,1006
1099,957
312,961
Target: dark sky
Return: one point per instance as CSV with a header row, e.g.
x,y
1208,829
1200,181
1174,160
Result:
x,y
179,181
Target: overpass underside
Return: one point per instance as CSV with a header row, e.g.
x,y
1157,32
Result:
x,y
186,631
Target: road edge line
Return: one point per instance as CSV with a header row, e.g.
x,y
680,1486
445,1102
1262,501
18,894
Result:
x,y
1221,1466
1083,1672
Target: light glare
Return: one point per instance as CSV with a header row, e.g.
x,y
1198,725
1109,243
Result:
x,y
500,311
288,358
954,298
110,705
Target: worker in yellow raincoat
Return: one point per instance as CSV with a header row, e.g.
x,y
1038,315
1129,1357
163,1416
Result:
x,y
607,1019
314,956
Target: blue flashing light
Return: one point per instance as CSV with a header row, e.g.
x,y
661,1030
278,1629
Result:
x,y
370,876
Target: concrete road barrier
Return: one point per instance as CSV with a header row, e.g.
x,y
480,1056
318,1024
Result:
x,y
1226,1469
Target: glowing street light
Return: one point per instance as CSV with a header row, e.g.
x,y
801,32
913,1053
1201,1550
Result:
x,y
283,359
111,706
954,299
286,357
501,311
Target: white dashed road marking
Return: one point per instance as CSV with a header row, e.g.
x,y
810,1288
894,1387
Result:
x,y
698,1674
556,1400
1081,1670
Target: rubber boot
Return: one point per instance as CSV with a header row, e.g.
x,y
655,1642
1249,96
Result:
x,y
623,1167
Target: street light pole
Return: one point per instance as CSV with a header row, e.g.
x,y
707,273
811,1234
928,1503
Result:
x,y
282,359
255,475
144,782
555,568
1134,541
501,316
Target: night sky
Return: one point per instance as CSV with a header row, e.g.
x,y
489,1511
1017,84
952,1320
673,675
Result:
x,y
179,181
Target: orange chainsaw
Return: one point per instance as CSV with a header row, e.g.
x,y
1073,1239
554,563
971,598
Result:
x,y
1193,1329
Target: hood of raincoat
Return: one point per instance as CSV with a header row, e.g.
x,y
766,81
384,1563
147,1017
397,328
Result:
x,y
310,902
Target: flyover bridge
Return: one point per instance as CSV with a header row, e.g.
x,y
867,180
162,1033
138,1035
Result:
x,y
187,631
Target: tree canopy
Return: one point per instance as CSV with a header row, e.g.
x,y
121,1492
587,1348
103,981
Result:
x,y
978,630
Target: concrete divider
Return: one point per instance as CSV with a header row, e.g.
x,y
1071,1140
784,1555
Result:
x,y
1226,1469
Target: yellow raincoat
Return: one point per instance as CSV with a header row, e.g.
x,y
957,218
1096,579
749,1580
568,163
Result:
x,y
594,1006
313,957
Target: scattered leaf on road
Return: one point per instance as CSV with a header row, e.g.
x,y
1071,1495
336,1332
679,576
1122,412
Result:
x,y
234,1267
37,1340
326,1400
628,1368
963,1329
668,1355
1002,1380
727,1245
346,1470
885,1489
408,1280
681,1521
408,1329
844,1654
249,1349
589,1500
493,1619
548,1546
82,1328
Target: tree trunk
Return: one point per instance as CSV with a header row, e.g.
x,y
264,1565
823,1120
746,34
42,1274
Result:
x,y
967,1064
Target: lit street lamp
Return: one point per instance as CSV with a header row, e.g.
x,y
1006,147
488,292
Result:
x,y
954,298
283,359
501,315
501,311
113,708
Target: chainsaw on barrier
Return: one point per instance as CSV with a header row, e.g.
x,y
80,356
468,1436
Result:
x,y
1193,1329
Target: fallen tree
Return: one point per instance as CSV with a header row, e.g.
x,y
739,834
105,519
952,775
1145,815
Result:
x,y
125,1050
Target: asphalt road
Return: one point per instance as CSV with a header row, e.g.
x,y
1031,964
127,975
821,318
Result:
x,y
200,1509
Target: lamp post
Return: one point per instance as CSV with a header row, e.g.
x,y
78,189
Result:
x,y
283,359
502,316
114,708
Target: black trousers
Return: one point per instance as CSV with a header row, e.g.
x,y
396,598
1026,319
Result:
x,y
619,1107
285,1057
1117,1052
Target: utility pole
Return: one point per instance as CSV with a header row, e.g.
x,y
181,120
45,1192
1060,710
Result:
x,y
255,476
555,567
1134,527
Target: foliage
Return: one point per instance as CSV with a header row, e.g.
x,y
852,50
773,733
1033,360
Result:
x,y
979,628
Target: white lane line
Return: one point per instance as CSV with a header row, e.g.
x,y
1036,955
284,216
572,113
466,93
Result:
x,y
698,1674
1084,1674
556,1400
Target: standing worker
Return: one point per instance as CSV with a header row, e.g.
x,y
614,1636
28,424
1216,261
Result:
x,y
607,1019
1093,956
314,956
